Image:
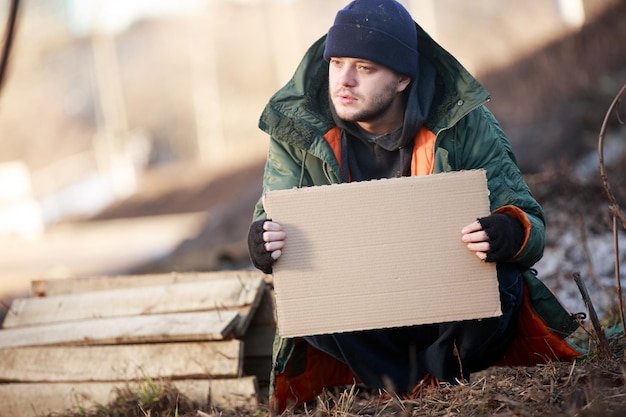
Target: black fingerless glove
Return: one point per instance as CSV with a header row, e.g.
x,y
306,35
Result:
x,y
261,258
506,235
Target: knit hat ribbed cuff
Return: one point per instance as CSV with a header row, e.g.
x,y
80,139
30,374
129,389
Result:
x,y
374,45
381,31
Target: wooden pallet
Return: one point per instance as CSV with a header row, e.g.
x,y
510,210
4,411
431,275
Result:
x,y
77,340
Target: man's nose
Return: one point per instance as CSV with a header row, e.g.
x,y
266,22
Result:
x,y
347,76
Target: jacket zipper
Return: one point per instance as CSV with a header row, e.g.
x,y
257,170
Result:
x,y
326,172
471,109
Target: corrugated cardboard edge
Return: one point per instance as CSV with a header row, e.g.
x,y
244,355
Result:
x,y
384,253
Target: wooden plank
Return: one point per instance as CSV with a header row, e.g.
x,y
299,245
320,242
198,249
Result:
x,y
266,313
64,286
260,367
211,325
247,313
184,297
122,362
37,399
259,340
224,393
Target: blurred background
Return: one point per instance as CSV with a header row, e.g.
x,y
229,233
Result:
x,y
129,139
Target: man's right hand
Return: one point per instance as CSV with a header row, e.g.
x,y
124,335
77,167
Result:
x,y
266,240
274,238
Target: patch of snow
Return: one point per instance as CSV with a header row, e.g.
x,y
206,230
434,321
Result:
x,y
565,254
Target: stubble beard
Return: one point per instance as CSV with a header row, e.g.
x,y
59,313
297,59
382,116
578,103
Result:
x,y
374,108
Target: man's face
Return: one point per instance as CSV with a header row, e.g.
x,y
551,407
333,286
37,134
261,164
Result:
x,y
366,93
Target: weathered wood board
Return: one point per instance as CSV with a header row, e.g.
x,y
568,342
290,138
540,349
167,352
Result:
x,y
122,362
34,400
51,287
196,296
258,341
81,338
212,325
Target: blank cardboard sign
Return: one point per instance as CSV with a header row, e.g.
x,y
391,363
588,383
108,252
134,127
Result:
x,y
379,254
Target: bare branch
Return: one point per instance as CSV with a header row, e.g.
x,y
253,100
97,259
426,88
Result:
x,y
605,182
618,282
614,207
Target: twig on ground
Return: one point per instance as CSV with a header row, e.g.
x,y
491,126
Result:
x,y
602,342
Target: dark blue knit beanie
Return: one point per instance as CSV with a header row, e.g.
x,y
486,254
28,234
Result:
x,y
381,31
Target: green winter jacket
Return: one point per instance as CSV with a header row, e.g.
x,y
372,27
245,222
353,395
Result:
x,y
467,136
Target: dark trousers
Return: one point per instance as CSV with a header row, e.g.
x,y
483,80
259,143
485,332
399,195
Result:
x,y
398,358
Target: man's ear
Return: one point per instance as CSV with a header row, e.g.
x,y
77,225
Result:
x,y
403,82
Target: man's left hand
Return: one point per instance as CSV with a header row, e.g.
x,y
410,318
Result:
x,y
494,238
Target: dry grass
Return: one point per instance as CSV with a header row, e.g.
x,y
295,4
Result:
x,y
594,387
150,399
591,388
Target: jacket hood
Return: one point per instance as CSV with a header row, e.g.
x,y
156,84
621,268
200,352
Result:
x,y
299,113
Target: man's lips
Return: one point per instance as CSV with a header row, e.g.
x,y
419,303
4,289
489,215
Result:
x,y
346,98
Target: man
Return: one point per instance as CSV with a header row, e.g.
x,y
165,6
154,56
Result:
x,y
378,98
